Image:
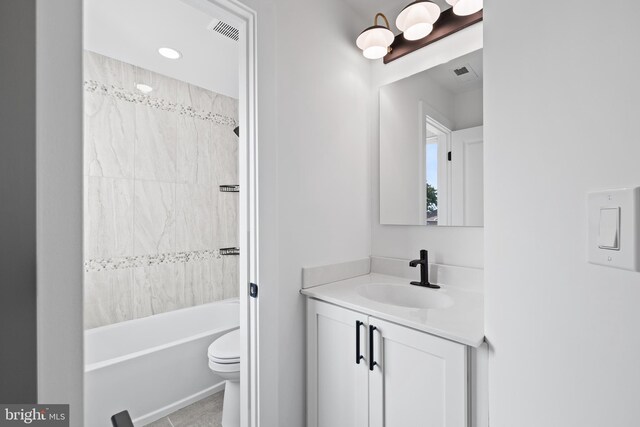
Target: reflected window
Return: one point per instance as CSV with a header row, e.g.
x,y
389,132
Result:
x,y
436,148
432,179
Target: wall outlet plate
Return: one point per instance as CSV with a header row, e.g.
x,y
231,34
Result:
x,y
627,254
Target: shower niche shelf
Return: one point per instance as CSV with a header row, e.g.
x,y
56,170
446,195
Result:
x,y
229,188
229,251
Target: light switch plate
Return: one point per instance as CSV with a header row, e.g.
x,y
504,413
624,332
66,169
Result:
x,y
608,210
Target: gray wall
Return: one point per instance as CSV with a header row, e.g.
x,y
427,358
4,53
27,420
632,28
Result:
x,y
59,203
18,371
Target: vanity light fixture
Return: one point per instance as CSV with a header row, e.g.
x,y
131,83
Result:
x,y
465,7
416,19
375,40
144,88
169,53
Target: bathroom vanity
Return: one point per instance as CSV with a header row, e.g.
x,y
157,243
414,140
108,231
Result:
x,y
381,352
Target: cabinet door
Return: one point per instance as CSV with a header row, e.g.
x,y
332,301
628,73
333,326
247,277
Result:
x,y
337,386
418,380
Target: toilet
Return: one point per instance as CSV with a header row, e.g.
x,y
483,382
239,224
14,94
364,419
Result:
x,y
224,360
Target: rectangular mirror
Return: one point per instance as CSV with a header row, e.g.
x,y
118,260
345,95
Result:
x,y
431,146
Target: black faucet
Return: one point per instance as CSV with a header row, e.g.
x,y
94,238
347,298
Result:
x,y
423,262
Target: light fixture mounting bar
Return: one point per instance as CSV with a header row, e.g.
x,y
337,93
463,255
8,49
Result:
x,y
447,24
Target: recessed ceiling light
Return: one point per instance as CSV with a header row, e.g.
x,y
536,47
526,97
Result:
x,y
169,53
144,88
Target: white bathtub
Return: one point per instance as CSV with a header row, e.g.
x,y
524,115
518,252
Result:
x,y
155,365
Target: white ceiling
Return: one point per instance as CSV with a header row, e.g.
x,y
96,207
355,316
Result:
x,y
443,74
391,8
133,30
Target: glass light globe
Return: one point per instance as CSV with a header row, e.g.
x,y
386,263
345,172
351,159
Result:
x,y
465,7
417,19
418,31
375,41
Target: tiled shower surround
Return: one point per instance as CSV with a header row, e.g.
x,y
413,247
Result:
x,y
154,215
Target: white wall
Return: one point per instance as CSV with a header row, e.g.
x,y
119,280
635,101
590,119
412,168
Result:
x,y
468,109
323,180
447,245
561,113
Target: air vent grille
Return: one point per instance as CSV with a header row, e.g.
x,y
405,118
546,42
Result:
x,y
225,29
460,71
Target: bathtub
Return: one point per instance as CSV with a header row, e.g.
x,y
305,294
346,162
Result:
x,y
155,365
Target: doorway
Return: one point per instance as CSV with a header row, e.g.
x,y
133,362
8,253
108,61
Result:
x,y
170,204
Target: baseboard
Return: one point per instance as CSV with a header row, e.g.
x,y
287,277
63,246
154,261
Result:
x,y
166,410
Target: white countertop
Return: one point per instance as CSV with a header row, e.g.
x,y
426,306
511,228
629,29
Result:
x,y
463,322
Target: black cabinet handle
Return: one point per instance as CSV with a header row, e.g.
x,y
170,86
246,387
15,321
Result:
x,y
372,362
359,357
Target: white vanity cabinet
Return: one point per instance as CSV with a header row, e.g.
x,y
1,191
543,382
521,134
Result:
x,y
336,385
400,378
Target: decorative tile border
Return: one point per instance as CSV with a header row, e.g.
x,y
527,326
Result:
x,y
93,86
120,263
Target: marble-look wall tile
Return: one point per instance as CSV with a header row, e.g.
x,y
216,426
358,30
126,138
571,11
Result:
x,y
225,222
215,290
194,213
108,217
194,136
230,276
108,297
154,217
108,70
196,97
163,87
194,151
109,134
226,106
155,144
225,167
157,289
225,155
197,282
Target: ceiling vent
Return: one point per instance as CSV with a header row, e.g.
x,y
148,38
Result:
x,y
460,71
465,73
225,29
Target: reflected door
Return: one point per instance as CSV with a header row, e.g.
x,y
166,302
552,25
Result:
x,y
467,151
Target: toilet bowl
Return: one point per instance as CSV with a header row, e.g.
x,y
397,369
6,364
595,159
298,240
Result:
x,y
224,360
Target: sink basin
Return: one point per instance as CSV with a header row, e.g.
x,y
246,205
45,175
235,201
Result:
x,y
404,295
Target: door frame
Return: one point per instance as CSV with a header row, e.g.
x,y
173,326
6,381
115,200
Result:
x,y
248,155
248,233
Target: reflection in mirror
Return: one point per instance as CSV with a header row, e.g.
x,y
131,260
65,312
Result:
x,y
431,146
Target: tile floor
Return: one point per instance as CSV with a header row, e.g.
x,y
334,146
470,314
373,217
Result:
x,y
204,413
